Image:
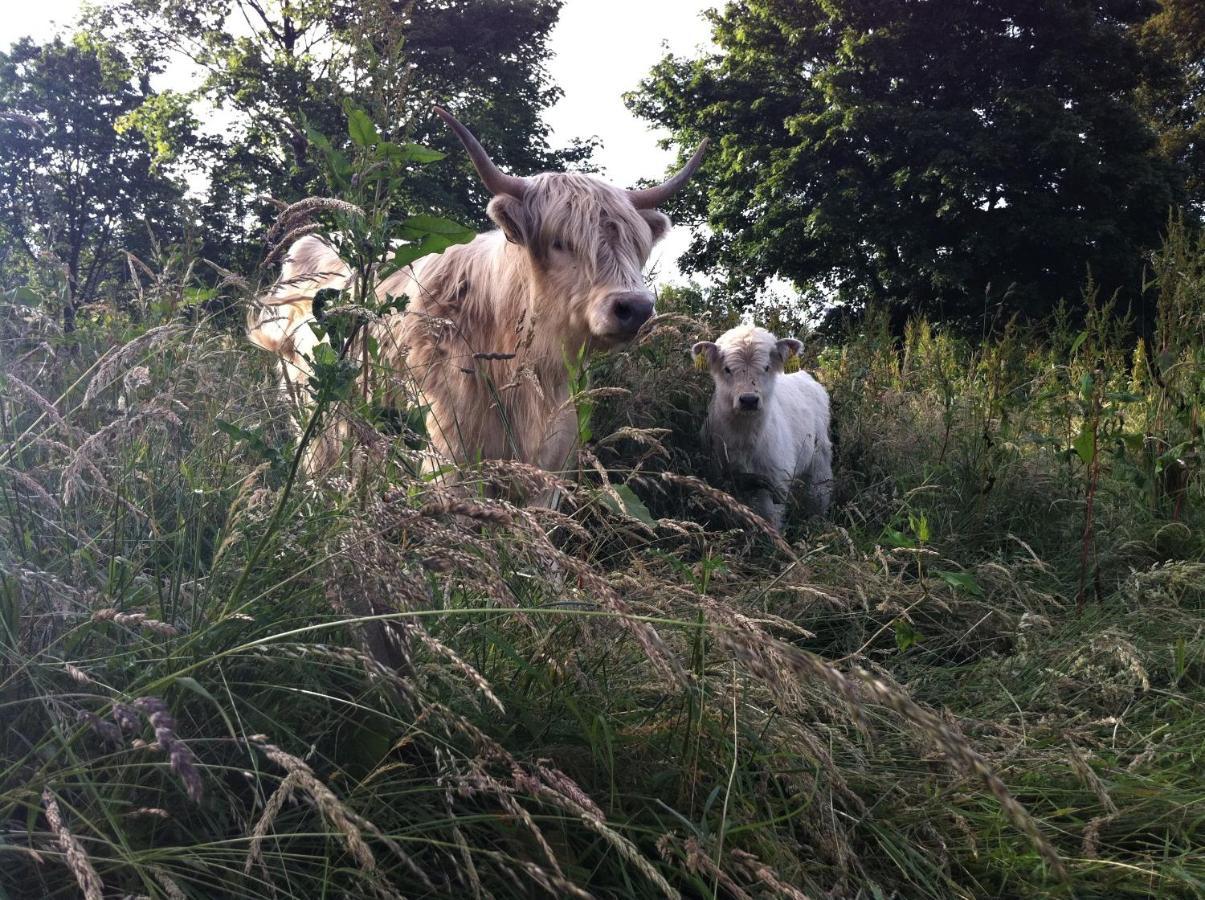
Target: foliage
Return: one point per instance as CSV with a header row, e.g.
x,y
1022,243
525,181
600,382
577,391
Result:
x,y
968,161
638,695
1173,95
985,676
77,191
277,72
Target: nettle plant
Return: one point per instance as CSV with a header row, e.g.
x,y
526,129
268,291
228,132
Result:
x,y
374,229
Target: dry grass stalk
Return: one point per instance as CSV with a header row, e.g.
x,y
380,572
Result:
x,y
107,372
135,378
952,744
346,821
591,581
556,885
155,811
479,781
170,888
558,519
77,858
84,459
468,867
78,675
528,480
339,816
727,502
486,513
108,732
126,717
1083,769
286,241
559,789
229,278
475,678
47,408
135,620
30,487
301,212
756,870
182,760
620,507
272,808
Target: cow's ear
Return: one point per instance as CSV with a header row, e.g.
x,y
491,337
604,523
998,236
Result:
x,y
509,215
788,351
658,223
704,354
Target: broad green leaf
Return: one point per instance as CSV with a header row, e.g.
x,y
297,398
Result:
x,y
1085,444
253,439
897,538
1087,384
26,297
427,234
963,581
1133,441
405,255
905,635
633,505
408,153
420,226
920,527
360,128
338,163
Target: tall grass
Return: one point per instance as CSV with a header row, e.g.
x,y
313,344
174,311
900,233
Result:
x,y
983,677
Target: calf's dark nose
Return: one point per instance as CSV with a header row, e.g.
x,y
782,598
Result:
x,y
750,401
631,309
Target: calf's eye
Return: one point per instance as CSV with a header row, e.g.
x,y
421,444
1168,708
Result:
x,y
767,368
727,371
557,245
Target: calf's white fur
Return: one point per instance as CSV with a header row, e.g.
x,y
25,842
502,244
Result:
x,y
765,425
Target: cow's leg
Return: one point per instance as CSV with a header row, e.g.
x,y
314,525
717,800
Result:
x,y
555,450
820,477
762,502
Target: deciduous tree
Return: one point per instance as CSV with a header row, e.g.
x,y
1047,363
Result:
x,y
74,190
953,158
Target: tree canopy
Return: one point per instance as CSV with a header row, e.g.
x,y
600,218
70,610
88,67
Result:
x,y
280,72
76,190
951,158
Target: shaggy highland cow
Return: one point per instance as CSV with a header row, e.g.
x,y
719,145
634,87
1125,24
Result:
x,y
484,338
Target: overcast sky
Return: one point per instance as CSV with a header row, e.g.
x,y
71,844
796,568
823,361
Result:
x,y
602,48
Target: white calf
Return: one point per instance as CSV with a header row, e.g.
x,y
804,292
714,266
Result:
x,y
765,426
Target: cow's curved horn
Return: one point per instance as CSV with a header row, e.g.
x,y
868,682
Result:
x,y
650,198
495,180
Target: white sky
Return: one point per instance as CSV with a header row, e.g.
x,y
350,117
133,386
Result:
x,y
602,49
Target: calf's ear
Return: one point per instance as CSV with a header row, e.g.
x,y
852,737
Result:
x,y
509,215
788,351
704,353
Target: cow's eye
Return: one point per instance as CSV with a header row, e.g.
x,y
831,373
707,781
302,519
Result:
x,y
727,371
558,245
767,368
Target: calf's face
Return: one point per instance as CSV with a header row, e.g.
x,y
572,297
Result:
x,y
745,365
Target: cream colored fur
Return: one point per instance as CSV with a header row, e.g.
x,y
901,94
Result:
x,y
785,437
537,288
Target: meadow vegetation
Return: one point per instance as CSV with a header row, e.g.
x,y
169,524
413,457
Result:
x,y
983,676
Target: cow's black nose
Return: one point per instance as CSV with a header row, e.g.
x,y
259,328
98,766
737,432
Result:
x,y
631,309
750,401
